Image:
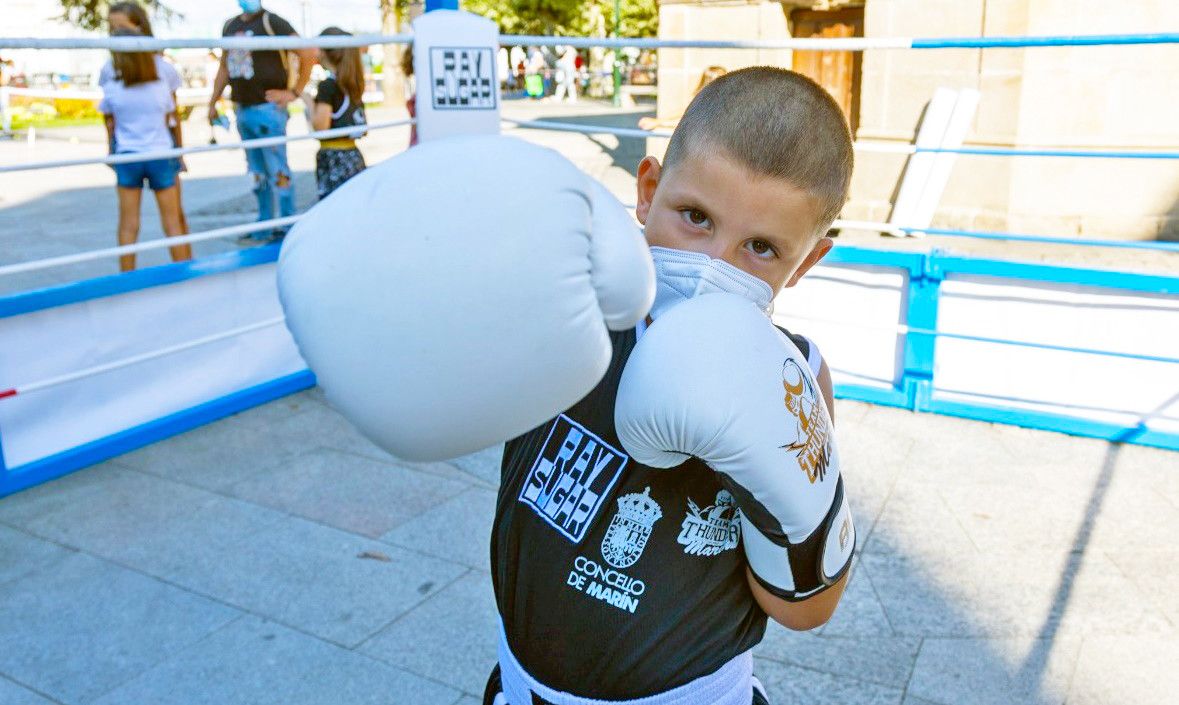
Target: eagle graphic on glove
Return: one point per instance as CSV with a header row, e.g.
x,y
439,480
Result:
x,y
810,422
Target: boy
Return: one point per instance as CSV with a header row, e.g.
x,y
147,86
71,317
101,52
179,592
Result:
x,y
617,581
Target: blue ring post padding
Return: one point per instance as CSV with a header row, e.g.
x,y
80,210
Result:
x,y
1108,279
114,284
46,469
922,396
441,5
920,348
1049,152
96,451
1074,40
1061,423
914,263
1020,237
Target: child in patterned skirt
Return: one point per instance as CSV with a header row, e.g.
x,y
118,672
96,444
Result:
x,y
338,103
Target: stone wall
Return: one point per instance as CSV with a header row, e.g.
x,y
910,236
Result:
x,y
680,69
1088,97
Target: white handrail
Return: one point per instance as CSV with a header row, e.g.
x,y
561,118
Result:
x,y
88,256
132,157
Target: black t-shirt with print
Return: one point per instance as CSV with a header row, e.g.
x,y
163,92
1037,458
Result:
x,y
615,580
344,112
252,73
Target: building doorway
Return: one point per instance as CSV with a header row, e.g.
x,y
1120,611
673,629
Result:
x,y
837,71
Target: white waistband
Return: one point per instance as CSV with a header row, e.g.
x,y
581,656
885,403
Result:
x,y
731,684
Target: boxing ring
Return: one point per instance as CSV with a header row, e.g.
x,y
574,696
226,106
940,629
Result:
x,y
987,339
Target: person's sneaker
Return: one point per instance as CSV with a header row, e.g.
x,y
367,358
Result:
x,y
247,239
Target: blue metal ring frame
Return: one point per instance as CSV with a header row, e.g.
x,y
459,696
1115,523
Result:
x,y
1020,237
1048,152
1072,40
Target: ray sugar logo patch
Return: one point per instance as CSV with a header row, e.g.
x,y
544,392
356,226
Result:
x,y
571,478
462,78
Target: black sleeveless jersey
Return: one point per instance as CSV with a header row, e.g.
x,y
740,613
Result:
x,y
345,113
615,580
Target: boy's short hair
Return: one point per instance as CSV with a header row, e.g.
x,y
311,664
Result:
x,y
776,123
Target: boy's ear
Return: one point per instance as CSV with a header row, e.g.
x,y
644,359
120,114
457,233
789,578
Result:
x,y
818,252
649,170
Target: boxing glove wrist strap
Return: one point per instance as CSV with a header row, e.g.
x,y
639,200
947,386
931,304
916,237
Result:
x,y
795,571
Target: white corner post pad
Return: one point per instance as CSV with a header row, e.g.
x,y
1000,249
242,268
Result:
x,y
454,59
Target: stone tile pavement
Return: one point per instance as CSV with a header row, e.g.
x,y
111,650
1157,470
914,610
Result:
x,y
278,557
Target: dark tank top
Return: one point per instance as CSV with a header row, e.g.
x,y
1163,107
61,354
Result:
x,y
615,580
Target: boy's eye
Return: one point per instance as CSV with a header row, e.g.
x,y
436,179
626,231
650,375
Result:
x,y
695,216
761,248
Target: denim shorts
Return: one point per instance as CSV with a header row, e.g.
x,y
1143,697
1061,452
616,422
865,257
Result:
x,y
159,173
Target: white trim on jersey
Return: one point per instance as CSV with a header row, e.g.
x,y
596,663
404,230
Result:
x,y
343,107
813,359
731,684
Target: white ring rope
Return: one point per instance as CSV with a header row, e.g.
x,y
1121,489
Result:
x,y
362,40
796,43
585,129
135,359
895,328
902,329
174,241
48,263
860,146
157,44
131,157
793,43
182,94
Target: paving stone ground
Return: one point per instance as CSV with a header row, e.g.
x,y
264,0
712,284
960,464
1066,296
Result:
x,y
998,565
277,556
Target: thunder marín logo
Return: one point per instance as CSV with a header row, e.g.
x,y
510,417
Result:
x,y
709,531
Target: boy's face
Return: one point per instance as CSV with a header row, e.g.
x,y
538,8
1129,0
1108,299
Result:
x,y
712,205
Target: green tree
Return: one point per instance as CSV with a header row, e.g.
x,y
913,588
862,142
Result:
x,y
393,16
91,14
640,18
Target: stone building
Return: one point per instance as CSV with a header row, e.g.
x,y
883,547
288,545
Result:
x,y
1104,97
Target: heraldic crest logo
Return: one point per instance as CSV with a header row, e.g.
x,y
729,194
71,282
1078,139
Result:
x,y
627,535
709,531
810,423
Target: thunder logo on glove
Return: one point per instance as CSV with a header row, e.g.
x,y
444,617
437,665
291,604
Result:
x,y
811,425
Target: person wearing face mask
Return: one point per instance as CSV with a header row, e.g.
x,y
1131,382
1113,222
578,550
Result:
x,y
262,84
643,537
645,529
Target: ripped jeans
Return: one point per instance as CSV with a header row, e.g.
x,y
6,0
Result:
x,y
268,165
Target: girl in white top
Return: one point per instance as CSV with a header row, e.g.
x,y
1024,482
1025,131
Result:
x,y
131,15
139,109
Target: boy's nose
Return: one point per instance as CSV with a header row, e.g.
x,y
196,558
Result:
x,y
718,249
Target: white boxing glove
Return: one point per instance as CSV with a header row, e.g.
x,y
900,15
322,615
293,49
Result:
x,y
714,379
459,294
